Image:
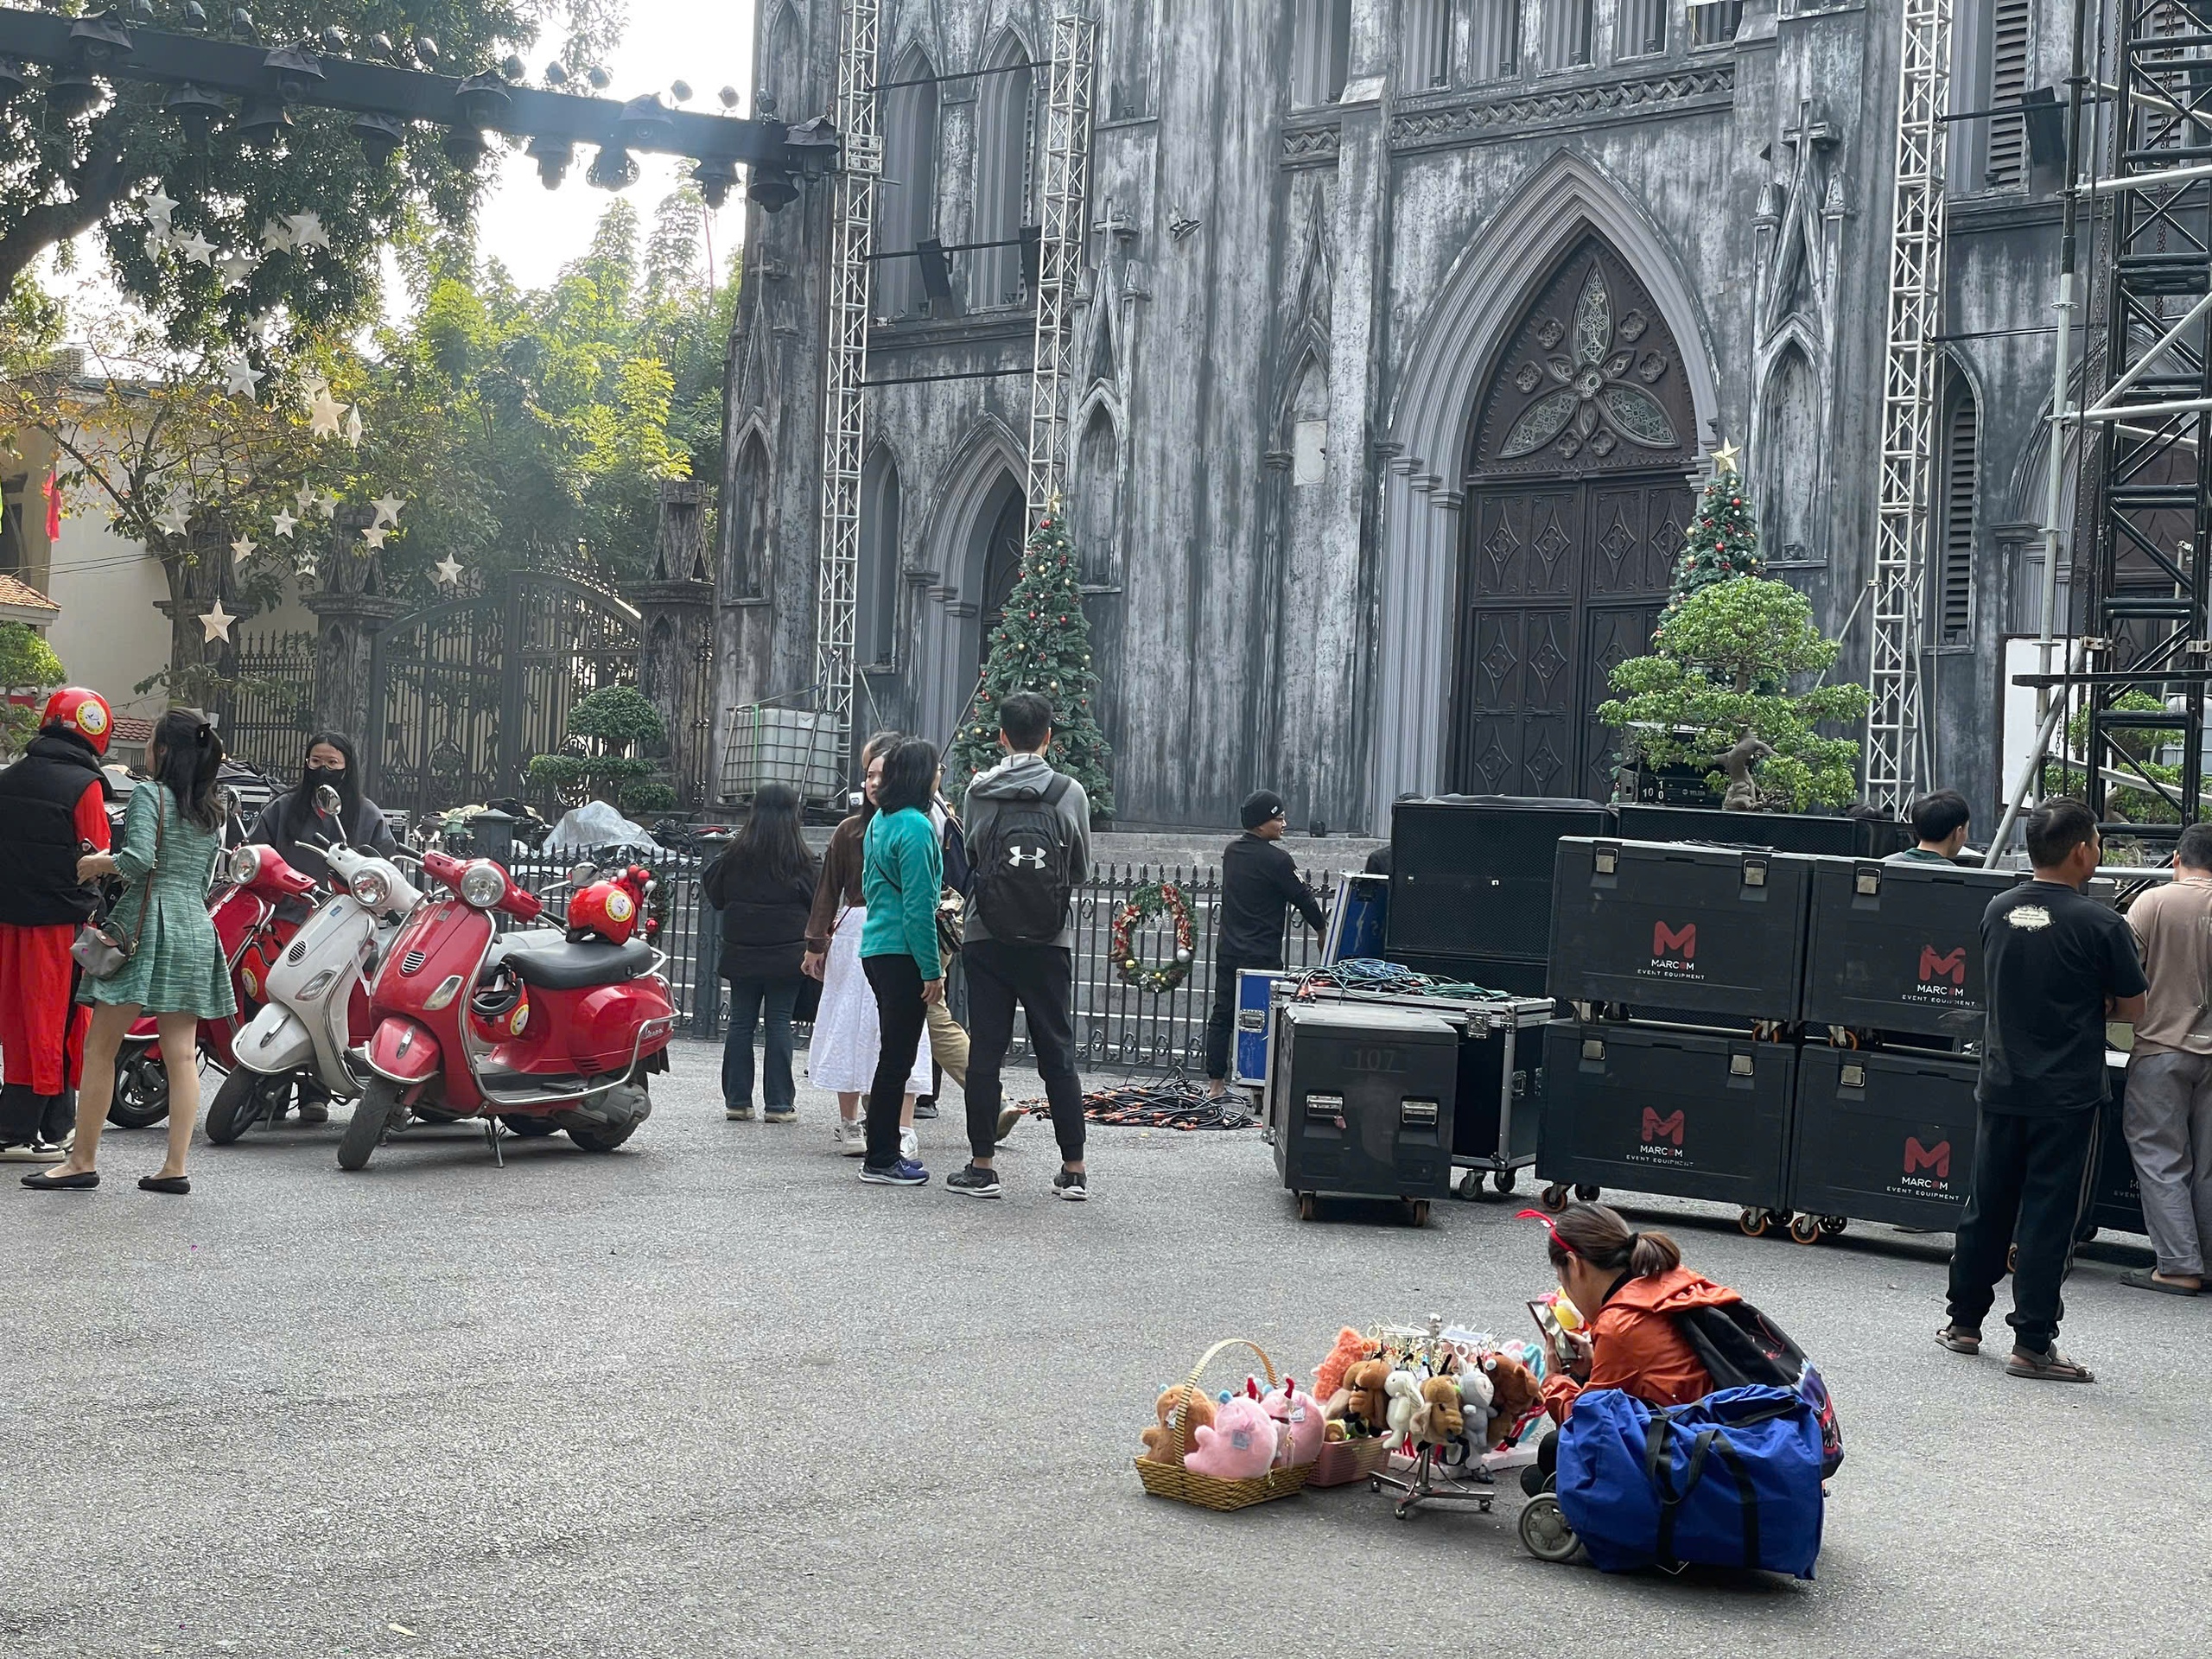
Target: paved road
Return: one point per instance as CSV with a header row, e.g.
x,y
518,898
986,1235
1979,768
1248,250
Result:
x,y
711,1397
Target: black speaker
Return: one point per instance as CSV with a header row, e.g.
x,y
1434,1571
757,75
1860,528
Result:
x,y
1471,880
1785,832
1897,947
1033,245
1883,1135
936,270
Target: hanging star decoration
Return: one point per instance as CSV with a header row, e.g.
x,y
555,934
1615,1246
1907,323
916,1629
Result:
x,y
307,231
303,498
236,267
159,207
353,426
218,624
327,504
448,569
239,376
243,549
388,508
323,415
155,243
276,235
1723,458
197,249
285,521
374,535
171,519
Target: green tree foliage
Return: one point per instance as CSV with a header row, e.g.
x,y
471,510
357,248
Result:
x,y
1721,664
1723,542
62,179
2131,753
27,664
609,724
1044,645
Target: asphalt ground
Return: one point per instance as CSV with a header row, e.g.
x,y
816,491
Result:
x,y
710,1395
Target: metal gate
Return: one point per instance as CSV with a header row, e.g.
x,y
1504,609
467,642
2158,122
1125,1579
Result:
x,y
469,690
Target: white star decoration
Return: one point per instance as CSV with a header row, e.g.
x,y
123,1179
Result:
x,y
307,231
353,426
388,508
374,535
155,243
218,624
171,519
327,504
303,498
197,249
284,521
448,569
239,376
323,415
159,207
243,549
276,235
236,267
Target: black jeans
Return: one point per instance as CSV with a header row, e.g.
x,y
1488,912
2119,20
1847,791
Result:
x,y
901,1018
1038,977
749,1000
1221,1023
2032,1179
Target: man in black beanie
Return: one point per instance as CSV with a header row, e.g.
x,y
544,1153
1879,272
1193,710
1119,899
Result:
x,y
1258,882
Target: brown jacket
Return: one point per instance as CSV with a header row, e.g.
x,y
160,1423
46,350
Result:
x,y
1635,1348
840,883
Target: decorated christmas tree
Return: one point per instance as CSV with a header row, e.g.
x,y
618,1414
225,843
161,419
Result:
x,y
1043,645
1724,538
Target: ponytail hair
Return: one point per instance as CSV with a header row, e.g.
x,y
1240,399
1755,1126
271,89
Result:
x,y
188,759
1598,1234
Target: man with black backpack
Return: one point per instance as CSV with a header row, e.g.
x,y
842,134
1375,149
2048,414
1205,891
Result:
x,y
1028,830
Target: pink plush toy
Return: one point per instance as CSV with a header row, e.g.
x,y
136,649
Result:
x,y
1239,1446
1296,1414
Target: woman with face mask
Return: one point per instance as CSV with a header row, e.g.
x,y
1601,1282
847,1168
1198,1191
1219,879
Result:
x,y
296,826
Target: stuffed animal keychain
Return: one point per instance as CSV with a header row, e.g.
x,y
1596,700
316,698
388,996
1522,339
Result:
x,y
1298,1418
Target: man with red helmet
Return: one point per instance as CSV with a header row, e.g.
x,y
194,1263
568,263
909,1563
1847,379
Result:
x,y
53,808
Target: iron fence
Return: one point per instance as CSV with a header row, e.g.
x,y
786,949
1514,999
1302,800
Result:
x,y
269,711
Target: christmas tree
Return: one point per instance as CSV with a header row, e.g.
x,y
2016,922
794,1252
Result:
x,y
1724,539
1043,645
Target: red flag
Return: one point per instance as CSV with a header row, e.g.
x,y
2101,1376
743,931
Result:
x,y
53,508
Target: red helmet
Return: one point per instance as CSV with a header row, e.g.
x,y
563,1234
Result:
x,y
606,908
73,708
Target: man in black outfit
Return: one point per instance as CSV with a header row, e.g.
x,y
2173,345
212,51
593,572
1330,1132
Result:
x,y
2056,966
1258,882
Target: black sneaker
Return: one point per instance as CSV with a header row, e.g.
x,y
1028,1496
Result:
x,y
1069,1185
975,1183
925,1107
904,1173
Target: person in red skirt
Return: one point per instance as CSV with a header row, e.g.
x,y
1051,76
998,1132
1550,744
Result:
x,y
53,810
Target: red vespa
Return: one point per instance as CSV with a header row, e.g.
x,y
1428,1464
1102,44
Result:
x,y
538,1028
243,906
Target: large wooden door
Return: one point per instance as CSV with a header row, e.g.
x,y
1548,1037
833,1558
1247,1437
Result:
x,y
1577,501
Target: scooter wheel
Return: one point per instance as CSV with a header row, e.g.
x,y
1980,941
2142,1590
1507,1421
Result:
x,y
245,1099
372,1115
603,1139
141,1087
1544,1532
530,1125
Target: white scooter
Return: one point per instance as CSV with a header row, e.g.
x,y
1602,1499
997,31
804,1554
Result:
x,y
317,1003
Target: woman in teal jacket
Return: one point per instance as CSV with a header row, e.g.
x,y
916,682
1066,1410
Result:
x,y
902,873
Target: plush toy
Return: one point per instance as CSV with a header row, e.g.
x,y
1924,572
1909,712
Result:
x,y
1298,1416
1351,1349
1160,1442
1238,1445
1339,1430
1514,1391
1363,1387
1445,1420
1408,1412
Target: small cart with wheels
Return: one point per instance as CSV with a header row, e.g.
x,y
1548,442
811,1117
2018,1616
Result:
x,y
1359,1104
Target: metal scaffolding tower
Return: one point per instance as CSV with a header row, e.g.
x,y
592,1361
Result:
x,y
1060,250
844,414
1894,737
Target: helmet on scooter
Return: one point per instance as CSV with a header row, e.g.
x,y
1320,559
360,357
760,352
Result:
x,y
604,909
76,709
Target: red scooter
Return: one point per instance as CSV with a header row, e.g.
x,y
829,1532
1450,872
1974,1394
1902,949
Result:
x,y
243,906
536,1029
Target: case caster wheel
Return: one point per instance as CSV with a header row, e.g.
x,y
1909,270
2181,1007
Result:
x,y
1417,1209
1403,1513
1553,1198
1544,1532
1373,1484
1305,1206
1832,1226
1588,1194
1470,1186
1502,1182
1753,1221
1805,1229
2012,1258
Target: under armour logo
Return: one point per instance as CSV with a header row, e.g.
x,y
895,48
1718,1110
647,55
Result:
x,y
1033,857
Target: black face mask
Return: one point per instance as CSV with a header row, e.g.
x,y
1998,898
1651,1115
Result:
x,y
318,776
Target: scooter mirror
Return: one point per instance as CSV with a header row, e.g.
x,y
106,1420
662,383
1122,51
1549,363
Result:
x,y
581,876
327,801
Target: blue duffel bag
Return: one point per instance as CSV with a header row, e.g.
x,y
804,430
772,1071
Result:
x,y
1733,1480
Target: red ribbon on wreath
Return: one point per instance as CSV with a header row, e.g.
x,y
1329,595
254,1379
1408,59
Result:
x,y
1154,898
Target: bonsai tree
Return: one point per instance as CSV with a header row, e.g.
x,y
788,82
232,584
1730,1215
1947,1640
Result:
x,y
1714,693
607,725
27,664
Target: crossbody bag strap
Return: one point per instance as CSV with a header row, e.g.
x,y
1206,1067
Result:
x,y
146,894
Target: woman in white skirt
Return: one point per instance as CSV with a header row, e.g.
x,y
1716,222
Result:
x,y
842,1054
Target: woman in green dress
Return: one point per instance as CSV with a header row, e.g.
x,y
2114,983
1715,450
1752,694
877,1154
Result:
x,y
172,835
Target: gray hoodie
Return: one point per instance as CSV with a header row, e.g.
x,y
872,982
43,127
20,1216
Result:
x,y
1028,776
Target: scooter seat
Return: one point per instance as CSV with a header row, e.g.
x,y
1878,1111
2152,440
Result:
x,y
566,967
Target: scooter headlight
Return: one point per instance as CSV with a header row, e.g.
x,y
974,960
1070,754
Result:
x,y
372,890
483,885
245,864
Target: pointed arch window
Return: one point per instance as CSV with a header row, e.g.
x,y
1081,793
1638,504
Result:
x,y
1788,464
782,66
1130,32
1005,155
1953,617
1098,496
752,509
875,632
907,193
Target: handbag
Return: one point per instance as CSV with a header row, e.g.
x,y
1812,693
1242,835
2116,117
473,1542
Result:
x,y
101,950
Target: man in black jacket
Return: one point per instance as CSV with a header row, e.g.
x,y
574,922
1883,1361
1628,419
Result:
x,y
1259,883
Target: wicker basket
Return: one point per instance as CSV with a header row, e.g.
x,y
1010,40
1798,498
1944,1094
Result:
x,y
1343,1462
1209,1491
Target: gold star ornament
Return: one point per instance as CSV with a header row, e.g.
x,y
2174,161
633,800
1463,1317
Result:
x,y
1723,458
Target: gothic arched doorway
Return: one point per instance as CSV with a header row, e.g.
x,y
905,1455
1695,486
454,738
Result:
x,y
1577,496
1001,565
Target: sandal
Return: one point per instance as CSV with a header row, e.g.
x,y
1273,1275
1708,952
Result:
x,y
1960,1340
2050,1367
47,1182
2144,1279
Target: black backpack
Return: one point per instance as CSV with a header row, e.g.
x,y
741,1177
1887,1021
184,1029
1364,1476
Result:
x,y
1021,882
1740,1347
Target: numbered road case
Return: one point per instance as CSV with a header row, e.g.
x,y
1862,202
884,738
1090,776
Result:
x,y
1359,1103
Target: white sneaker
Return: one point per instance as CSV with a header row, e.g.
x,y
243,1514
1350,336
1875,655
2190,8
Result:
x,y
908,1147
852,1136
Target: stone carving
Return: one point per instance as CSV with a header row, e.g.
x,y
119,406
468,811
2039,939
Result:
x,y
1596,395
1464,119
1310,146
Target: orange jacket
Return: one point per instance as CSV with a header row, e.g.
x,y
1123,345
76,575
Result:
x,y
1635,1348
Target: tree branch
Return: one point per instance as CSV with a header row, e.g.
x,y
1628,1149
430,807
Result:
x,y
95,185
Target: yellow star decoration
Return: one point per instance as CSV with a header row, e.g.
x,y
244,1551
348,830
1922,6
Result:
x,y
1723,458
